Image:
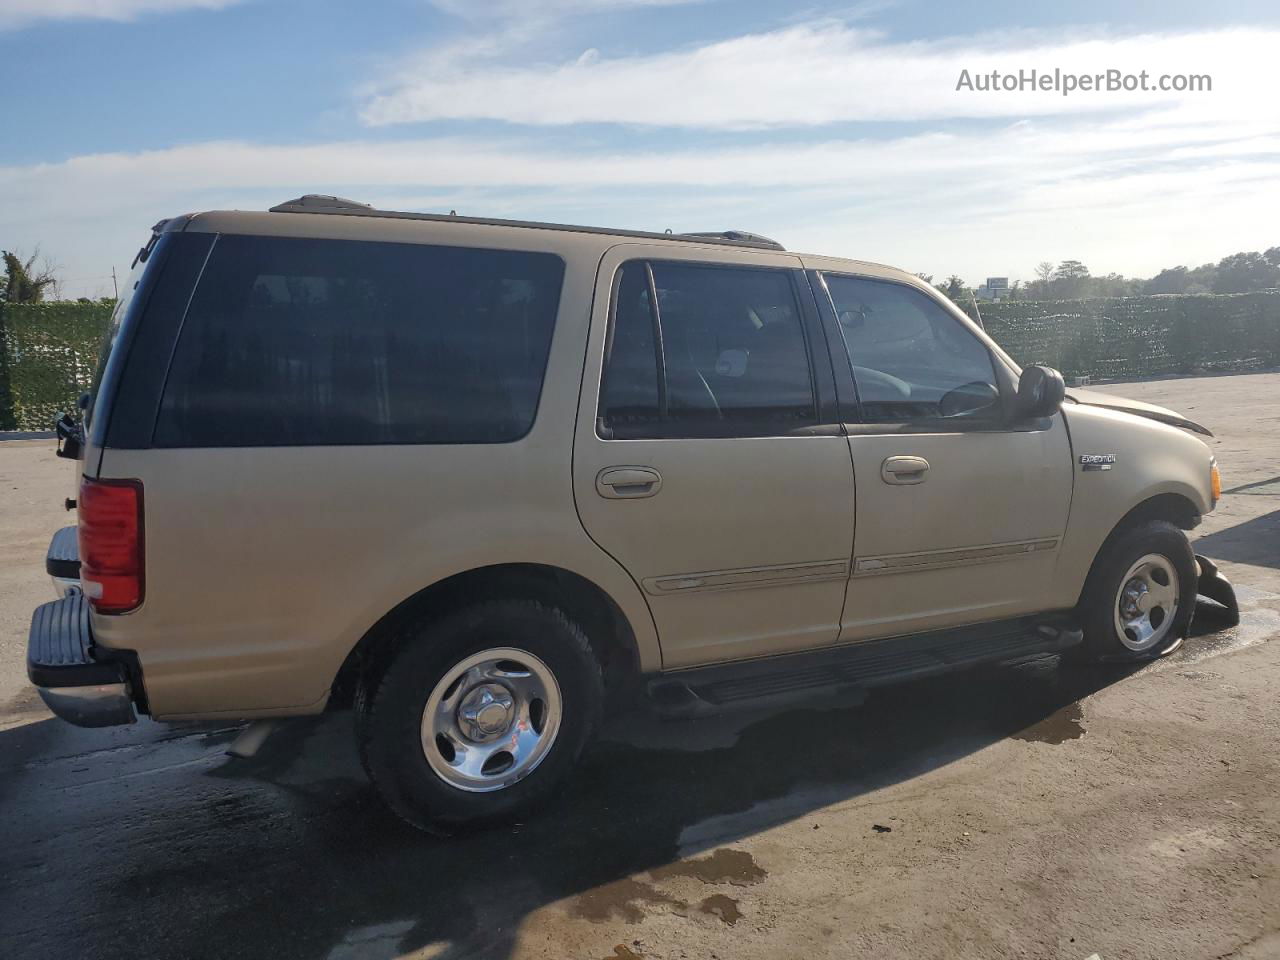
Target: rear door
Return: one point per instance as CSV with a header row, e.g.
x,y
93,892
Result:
x,y
709,458
961,507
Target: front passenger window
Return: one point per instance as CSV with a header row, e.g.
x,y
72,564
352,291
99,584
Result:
x,y
911,359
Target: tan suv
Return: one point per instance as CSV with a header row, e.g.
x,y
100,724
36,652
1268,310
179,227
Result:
x,y
487,480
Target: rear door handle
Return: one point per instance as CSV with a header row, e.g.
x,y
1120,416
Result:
x,y
619,483
904,470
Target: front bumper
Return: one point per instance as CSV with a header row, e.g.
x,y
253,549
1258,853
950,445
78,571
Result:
x,y
1216,587
74,680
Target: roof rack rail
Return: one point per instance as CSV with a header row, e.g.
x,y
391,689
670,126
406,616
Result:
x,y
738,236
319,203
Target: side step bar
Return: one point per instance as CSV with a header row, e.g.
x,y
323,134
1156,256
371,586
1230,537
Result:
x,y
865,664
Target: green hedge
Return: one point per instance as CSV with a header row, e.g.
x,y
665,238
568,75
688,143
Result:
x,y
48,352
1126,338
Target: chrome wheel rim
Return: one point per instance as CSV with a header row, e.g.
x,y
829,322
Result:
x,y
1146,603
491,719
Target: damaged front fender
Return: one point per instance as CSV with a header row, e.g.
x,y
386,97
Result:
x,y
1092,398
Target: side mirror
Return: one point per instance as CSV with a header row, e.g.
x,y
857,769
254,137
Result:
x,y
70,440
1041,391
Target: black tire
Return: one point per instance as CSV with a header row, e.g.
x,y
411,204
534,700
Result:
x,y
389,728
1099,599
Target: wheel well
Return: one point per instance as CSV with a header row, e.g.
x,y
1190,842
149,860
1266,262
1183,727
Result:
x,y
1174,507
606,626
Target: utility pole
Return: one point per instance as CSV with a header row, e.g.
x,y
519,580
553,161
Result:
x,y
114,286
976,312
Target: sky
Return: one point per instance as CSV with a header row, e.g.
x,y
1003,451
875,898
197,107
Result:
x,y
836,128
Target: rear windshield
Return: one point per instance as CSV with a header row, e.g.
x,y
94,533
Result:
x,y
299,342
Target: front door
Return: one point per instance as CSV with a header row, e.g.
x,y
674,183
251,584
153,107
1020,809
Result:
x,y
709,460
961,510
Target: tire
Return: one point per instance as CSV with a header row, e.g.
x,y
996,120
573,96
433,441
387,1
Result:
x,y
1140,594
512,681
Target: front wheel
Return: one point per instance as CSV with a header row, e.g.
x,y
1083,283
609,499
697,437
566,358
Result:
x,y
1139,597
481,714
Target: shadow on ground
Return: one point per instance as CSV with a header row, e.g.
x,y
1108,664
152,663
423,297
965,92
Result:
x,y
167,848
1255,541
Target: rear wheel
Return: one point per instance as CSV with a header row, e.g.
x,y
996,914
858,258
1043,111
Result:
x,y
481,714
1140,594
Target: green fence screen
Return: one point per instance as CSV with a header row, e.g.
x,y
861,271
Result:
x,y
1128,338
48,350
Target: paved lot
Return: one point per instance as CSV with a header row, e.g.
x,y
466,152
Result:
x,y
1037,812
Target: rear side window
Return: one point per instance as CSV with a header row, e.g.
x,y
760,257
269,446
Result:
x,y
291,342
722,354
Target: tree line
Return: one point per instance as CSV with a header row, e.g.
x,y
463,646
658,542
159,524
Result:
x,y
1244,272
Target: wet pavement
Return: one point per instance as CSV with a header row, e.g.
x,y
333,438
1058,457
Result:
x,y
151,842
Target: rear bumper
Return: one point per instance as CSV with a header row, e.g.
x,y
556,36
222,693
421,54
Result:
x,y
104,705
75,681
62,561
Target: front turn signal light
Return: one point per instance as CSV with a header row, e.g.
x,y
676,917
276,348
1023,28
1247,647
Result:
x,y
1215,482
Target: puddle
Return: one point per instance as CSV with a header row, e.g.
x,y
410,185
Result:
x,y
1060,726
372,943
628,898
724,866
722,907
625,899
1259,622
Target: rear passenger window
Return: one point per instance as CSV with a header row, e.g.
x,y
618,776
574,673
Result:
x,y
723,354
291,341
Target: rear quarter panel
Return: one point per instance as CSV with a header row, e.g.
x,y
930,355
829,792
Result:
x,y
265,566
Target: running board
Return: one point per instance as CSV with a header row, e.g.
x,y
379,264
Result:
x,y
865,664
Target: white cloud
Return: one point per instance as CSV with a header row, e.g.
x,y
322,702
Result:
x,y
17,13
485,10
1131,194
818,73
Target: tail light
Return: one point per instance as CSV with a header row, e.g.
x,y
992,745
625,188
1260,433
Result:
x,y
111,562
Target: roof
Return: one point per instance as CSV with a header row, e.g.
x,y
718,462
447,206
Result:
x,y
316,203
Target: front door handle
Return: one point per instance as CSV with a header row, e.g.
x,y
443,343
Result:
x,y
904,470
619,483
